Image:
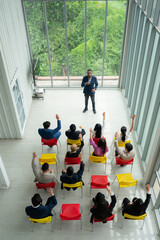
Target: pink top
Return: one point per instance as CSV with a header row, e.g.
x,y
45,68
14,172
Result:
x,y
97,150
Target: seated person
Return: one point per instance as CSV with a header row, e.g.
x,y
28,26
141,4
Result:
x,y
73,134
47,133
102,209
75,150
44,176
126,154
124,136
68,176
101,149
137,207
99,129
37,210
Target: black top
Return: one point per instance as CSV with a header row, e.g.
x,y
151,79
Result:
x,y
42,211
74,134
76,177
102,210
130,208
75,154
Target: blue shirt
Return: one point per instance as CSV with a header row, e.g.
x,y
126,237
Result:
x,y
49,133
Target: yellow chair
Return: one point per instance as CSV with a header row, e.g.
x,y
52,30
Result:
x,y
122,144
97,159
131,217
72,141
41,220
73,185
126,180
50,158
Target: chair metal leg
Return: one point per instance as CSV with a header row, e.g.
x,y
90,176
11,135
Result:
x,y
89,166
92,227
63,193
114,180
56,168
31,226
118,191
131,167
42,148
112,224
122,222
52,226
81,223
57,149
81,192
105,167
60,224
135,190
142,224
90,191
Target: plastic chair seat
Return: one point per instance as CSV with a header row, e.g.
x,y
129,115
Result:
x,y
41,220
70,161
99,181
49,142
107,219
97,159
73,185
49,158
72,141
131,217
126,180
70,212
120,161
122,144
45,185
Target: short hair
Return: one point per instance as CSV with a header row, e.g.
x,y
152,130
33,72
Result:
x,y
129,146
89,70
46,124
45,167
70,171
73,147
72,127
36,200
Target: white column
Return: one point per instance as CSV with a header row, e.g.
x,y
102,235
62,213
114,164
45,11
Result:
x,y
4,181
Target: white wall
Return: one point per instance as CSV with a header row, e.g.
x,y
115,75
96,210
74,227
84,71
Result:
x,y
14,64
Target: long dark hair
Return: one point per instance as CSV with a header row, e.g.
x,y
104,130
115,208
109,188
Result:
x,y
98,130
102,144
123,131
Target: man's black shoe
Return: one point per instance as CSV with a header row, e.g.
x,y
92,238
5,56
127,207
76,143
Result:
x,y
85,110
94,111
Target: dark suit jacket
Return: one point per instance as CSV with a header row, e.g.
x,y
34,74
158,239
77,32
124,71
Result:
x,y
76,177
130,209
74,135
42,211
75,154
101,211
88,88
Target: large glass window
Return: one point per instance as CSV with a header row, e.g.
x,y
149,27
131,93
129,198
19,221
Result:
x,y
69,37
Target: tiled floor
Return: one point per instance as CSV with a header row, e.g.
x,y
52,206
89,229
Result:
x,y
17,154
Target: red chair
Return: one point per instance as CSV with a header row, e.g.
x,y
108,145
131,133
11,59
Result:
x,y
111,218
45,185
70,212
71,161
49,142
123,162
99,182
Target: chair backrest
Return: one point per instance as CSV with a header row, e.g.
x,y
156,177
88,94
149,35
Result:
x,y
45,185
50,142
108,219
73,185
41,220
97,159
128,183
141,217
96,140
69,161
120,161
122,144
49,158
72,141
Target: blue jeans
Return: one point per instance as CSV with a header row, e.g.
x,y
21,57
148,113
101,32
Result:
x,y
57,135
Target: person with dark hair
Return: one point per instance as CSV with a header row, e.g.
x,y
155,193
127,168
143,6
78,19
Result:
x,y
99,129
73,134
124,135
90,85
43,175
69,176
102,209
37,210
137,207
75,150
126,154
47,133
101,149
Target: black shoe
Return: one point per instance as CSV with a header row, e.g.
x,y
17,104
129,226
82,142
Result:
x,y
94,111
85,110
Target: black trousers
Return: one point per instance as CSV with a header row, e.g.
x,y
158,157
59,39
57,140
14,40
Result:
x,y
92,96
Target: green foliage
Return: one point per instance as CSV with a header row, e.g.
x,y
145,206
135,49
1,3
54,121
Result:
x,y
76,36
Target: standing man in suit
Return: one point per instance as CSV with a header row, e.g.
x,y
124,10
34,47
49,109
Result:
x,y
90,85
